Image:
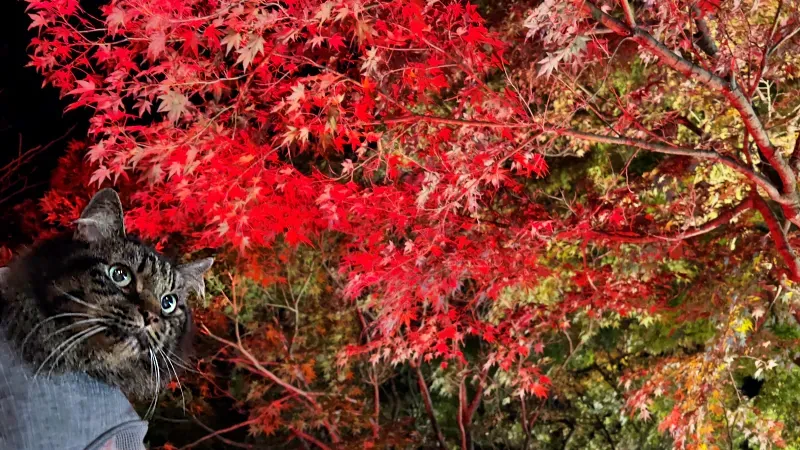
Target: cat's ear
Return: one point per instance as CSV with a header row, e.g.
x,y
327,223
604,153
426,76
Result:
x,y
102,218
193,274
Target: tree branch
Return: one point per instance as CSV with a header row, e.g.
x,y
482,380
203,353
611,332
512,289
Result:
x,y
377,404
24,156
411,118
771,190
223,439
219,432
525,423
729,90
309,438
476,400
779,237
785,39
467,408
707,227
626,7
690,125
261,369
462,404
426,398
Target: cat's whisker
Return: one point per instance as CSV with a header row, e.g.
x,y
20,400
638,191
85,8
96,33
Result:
x,y
152,337
152,341
186,368
185,364
158,382
84,338
152,367
177,361
115,313
50,319
152,344
174,357
182,363
151,409
57,350
76,324
177,379
79,301
68,341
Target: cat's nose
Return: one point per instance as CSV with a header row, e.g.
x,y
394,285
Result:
x,y
149,307
149,317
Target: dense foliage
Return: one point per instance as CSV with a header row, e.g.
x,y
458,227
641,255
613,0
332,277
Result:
x,y
555,224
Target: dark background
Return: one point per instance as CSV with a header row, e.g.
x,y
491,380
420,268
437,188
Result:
x,y
29,113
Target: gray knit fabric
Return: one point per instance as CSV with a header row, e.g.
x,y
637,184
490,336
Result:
x,y
62,412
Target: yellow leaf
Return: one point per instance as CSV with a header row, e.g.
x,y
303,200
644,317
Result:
x,y
745,326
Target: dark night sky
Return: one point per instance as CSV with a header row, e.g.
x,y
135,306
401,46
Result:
x,y
30,112
26,108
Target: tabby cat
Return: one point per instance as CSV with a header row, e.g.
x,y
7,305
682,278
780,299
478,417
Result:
x,y
100,302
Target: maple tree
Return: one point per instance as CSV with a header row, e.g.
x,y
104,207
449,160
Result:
x,y
515,207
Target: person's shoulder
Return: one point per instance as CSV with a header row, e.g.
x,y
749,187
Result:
x,y
126,436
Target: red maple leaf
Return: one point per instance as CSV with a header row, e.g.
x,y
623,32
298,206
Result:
x,y
190,42
448,333
539,390
336,42
709,6
211,35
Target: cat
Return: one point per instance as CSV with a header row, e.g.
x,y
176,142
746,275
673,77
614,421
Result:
x,y
101,302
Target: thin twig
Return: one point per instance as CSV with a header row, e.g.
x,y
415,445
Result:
x,y
723,218
309,438
426,399
261,369
218,432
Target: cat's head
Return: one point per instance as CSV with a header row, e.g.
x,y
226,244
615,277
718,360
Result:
x,y
107,304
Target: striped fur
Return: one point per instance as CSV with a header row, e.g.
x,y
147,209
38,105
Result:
x,y
64,284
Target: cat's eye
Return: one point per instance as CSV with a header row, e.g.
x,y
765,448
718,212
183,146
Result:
x,y
120,275
168,303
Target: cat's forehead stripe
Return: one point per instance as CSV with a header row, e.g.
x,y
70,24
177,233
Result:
x,y
141,267
151,259
164,268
